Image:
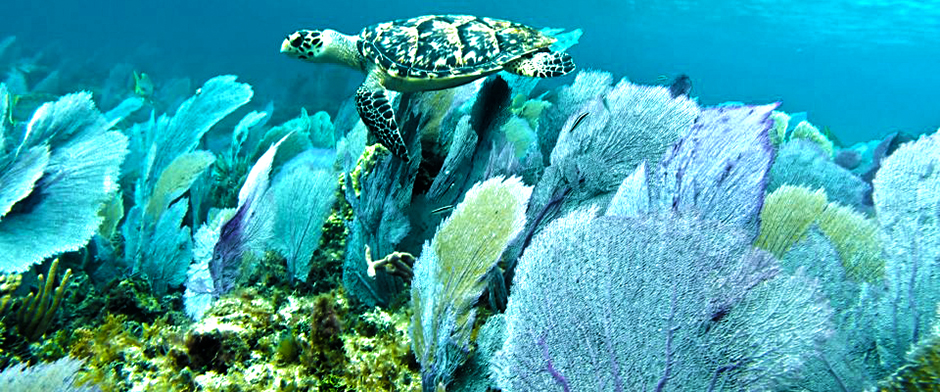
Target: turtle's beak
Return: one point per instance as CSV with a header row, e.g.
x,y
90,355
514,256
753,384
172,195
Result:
x,y
285,46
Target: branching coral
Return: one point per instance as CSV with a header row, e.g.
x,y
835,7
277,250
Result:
x,y
37,310
8,284
255,340
107,350
379,354
395,263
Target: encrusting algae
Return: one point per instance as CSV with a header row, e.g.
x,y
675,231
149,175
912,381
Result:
x,y
255,340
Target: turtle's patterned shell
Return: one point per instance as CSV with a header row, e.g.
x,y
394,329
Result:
x,y
443,46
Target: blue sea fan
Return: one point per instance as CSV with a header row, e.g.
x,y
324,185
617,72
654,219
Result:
x,y
198,296
21,174
606,132
907,205
842,363
802,162
230,233
57,376
633,196
304,192
379,222
54,181
123,109
167,258
630,123
181,133
718,171
609,131
168,167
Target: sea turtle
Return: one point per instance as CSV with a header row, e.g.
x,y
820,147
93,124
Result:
x,y
430,52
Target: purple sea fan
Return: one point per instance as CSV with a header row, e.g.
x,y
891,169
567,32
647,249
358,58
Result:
x,y
248,228
660,302
720,168
221,243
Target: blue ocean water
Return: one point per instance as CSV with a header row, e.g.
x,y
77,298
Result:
x,y
861,68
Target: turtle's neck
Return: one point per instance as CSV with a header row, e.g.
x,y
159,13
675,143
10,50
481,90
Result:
x,y
342,50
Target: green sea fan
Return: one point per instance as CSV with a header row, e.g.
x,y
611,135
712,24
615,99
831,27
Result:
x,y
449,274
790,211
778,134
855,237
786,215
176,179
807,131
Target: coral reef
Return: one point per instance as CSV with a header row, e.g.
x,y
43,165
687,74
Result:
x,y
300,344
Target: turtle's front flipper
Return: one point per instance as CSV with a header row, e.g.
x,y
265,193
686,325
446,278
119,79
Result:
x,y
376,112
542,65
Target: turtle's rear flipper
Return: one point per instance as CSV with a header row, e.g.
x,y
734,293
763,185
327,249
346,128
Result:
x,y
376,112
542,65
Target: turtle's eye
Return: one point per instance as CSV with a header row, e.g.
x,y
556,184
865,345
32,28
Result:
x,y
297,41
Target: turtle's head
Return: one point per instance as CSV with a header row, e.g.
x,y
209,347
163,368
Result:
x,y
304,45
320,46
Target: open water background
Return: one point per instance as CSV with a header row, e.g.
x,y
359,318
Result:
x,y
863,68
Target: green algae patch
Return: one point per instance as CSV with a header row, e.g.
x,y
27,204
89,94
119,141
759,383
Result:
x,y
252,339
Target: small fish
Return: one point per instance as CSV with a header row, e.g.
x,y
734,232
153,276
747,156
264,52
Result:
x,y
441,210
579,120
143,86
682,85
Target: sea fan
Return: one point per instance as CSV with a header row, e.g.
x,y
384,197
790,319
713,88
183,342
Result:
x,y
449,274
54,181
